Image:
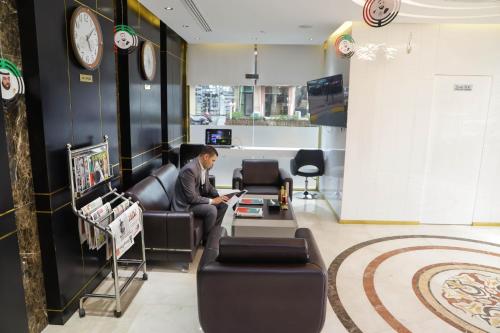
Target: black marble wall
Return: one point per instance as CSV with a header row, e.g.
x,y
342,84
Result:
x,y
13,316
140,100
174,97
62,109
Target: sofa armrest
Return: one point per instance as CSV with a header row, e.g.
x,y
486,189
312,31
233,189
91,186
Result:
x,y
287,181
293,167
314,254
168,230
237,179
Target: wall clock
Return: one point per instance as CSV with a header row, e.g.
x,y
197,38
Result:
x,y
148,61
86,38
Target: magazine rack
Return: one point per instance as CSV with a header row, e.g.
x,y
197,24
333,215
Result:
x,y
112,196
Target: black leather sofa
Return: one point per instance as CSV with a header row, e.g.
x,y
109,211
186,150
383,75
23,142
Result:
x,y
261,285
262,177
168,235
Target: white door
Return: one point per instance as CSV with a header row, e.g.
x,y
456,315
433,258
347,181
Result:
x,y
457,127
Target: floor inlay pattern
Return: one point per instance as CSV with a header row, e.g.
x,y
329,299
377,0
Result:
x,y
417,283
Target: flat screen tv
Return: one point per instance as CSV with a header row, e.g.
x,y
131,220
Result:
x,y
326,101
218,137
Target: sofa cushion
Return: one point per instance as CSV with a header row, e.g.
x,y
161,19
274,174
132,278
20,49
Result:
x,y
167,175
260,172
150,193
262,189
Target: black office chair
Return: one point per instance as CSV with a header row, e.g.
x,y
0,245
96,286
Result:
x,y
187,152
308,163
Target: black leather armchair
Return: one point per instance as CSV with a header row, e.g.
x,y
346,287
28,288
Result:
x,y
264,284
308,163
262,177
168,235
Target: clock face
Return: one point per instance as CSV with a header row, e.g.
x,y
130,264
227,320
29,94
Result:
x,y
86,38
148,60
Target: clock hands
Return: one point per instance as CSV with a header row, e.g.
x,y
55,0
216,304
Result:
x,y
90,33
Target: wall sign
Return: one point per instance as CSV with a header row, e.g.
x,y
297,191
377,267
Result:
x,y
126,40
12,83
379,13
463,87
86,78
345,47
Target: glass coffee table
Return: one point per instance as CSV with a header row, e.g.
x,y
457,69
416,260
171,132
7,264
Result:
x,y
273,223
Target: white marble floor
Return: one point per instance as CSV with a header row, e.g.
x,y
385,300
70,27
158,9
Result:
x,y
167,301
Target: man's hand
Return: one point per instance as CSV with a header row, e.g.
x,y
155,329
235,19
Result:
x,y
218,200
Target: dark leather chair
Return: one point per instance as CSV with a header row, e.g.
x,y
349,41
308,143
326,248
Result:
x,y
261,285
187,152
168,235
262,177
308,163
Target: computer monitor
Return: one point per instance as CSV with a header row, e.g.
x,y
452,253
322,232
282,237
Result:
x,y
218,137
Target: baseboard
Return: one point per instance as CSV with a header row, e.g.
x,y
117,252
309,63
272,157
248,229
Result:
x,y
486,224
379,222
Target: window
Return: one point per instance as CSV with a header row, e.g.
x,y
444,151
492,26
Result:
x,y
249,105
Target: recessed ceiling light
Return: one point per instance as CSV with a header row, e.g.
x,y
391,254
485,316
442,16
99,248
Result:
x,y
169,8
310,38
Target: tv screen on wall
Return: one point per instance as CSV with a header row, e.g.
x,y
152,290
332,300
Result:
x,y
326,101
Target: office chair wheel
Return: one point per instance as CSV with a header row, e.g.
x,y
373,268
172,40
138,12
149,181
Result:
x,y
145,276
118,314
81,312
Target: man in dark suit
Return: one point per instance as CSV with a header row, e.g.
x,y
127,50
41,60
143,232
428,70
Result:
x,y
193,191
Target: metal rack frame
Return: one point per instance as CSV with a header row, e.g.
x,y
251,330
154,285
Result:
x,y
118,290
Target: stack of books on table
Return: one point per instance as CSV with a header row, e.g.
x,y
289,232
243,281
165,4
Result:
x,y
252,201
248,212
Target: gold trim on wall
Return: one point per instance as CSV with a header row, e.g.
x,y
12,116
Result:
x,y
149,40
144,152
143,12
8,212
8,235
143,163
180,137
52,211
379,222
486,224
53,192
95,11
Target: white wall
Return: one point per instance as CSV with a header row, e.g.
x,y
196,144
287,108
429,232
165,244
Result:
x,y
227,64
389,108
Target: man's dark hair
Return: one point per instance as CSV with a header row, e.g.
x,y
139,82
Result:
x,y
209,150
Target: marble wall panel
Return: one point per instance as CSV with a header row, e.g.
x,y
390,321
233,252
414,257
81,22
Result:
x,y
21,179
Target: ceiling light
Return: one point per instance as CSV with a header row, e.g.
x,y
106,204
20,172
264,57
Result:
x,y
305,26
185,26
343,28
310,38
169,8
